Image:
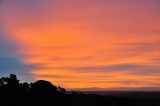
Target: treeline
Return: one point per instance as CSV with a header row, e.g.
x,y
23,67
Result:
x,y
43,93
12,86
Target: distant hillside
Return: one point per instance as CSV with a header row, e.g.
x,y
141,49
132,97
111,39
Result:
x,y
144,89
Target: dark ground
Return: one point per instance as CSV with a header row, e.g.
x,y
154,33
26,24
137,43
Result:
x,y
76,99
44,93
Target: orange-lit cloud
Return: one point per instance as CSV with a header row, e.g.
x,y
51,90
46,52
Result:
x,y
84,43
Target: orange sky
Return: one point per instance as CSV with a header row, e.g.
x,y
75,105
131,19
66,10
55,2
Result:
x,y
86,43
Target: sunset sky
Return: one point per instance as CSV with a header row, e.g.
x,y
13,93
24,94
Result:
x,y
81,43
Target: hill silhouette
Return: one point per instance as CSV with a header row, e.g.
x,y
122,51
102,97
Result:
x,y
44,93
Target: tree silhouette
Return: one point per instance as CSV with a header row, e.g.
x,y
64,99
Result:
x,y
9,84
3,85
13,83
61,90
42,87
44,93
3,81
25,87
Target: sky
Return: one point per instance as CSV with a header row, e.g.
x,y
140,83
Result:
x,y
82,43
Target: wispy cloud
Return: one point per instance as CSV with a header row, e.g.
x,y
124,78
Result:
x,y
134,68
81,41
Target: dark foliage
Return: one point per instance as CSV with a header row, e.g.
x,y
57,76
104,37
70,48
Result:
x,y
43,88
43,93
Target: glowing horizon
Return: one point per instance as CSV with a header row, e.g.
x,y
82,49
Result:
x,y
82,43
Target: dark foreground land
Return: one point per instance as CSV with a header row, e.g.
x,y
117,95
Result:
x,y
43,93
79,100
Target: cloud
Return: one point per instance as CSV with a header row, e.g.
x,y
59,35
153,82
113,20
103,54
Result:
x,y
155,59
60,35
116,67
135,69
142,46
